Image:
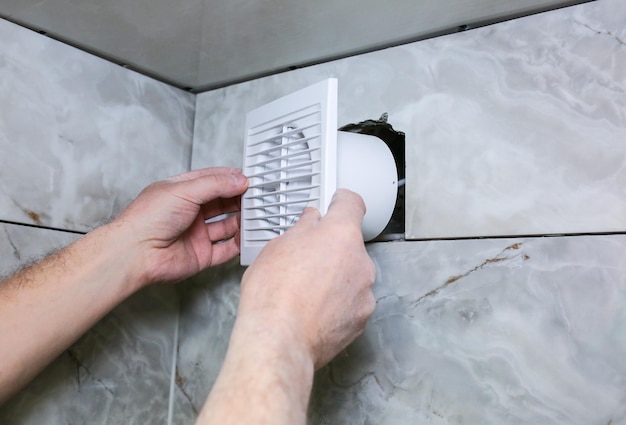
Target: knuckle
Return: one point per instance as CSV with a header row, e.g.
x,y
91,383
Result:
x,y
370,304
360,202
216,180
367,270
153,188
362,322
371,270
351,234
366,308
360,330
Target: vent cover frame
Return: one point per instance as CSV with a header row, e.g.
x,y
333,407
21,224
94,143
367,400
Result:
x,y
290,158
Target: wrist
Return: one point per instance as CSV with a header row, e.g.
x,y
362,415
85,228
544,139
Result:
x,y
117,255
264,310
275,336
279,351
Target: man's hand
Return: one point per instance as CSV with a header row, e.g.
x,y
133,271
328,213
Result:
x,y
315,282
167,223
304,299
161,236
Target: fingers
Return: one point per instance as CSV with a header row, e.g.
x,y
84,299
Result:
x,y
223,229
224,251
194,174
347,207
221,206
310,217
224,237
205,188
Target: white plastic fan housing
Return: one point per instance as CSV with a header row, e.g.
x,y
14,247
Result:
x,y
365,165
290,159
294,157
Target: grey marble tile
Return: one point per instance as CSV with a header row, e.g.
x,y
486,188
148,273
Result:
x,y
521,128
512,129
208,308
117,373
80,136
490,331
21,245
163,41
512,331
286,34
200,43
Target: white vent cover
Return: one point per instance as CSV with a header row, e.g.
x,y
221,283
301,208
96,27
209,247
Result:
x,y
290,158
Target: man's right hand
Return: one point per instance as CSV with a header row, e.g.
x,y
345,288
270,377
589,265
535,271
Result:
x,y
305,298
314,283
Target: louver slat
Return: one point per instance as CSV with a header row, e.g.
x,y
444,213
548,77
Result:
x,y
300,165
288,132
280,192
286,145
296,154
290,159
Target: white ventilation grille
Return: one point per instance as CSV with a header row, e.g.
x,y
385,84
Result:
x,y
290,158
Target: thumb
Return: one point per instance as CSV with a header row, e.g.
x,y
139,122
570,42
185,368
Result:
x,y
204,189
309,218
346,207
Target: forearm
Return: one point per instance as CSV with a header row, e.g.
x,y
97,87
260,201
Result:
x,y
162,236
265,379
48,306
294,316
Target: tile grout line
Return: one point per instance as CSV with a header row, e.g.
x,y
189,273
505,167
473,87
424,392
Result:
x,y
494,237
38,226
193,132
170,408
394,238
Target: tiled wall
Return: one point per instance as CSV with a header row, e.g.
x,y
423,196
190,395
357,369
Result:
x,y
490,331
118,373
512,129
79,138
533,109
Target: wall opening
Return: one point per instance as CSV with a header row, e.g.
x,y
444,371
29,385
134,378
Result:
x,y
395,140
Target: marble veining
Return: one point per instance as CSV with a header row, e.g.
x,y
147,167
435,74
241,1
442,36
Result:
x,y
528,122
79,136
516,128
117,373
208,309
20,245
512,129
512,331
